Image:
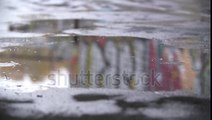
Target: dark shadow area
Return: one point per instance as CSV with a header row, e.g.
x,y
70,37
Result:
x,y
131,105
93,97
6,101
201,106
118,116
5,107
185,100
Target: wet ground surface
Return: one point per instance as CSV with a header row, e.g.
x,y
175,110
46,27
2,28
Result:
x,y
86,104
120,45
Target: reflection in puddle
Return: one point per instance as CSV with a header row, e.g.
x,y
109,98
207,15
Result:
x,y
98,61
179,60
51,26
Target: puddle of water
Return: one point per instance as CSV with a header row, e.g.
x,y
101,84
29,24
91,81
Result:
x,y
108,62
106,44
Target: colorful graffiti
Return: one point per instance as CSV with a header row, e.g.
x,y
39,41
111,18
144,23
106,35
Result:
x,y
111,62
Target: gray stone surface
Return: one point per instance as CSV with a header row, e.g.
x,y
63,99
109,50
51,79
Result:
x,y
92,104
